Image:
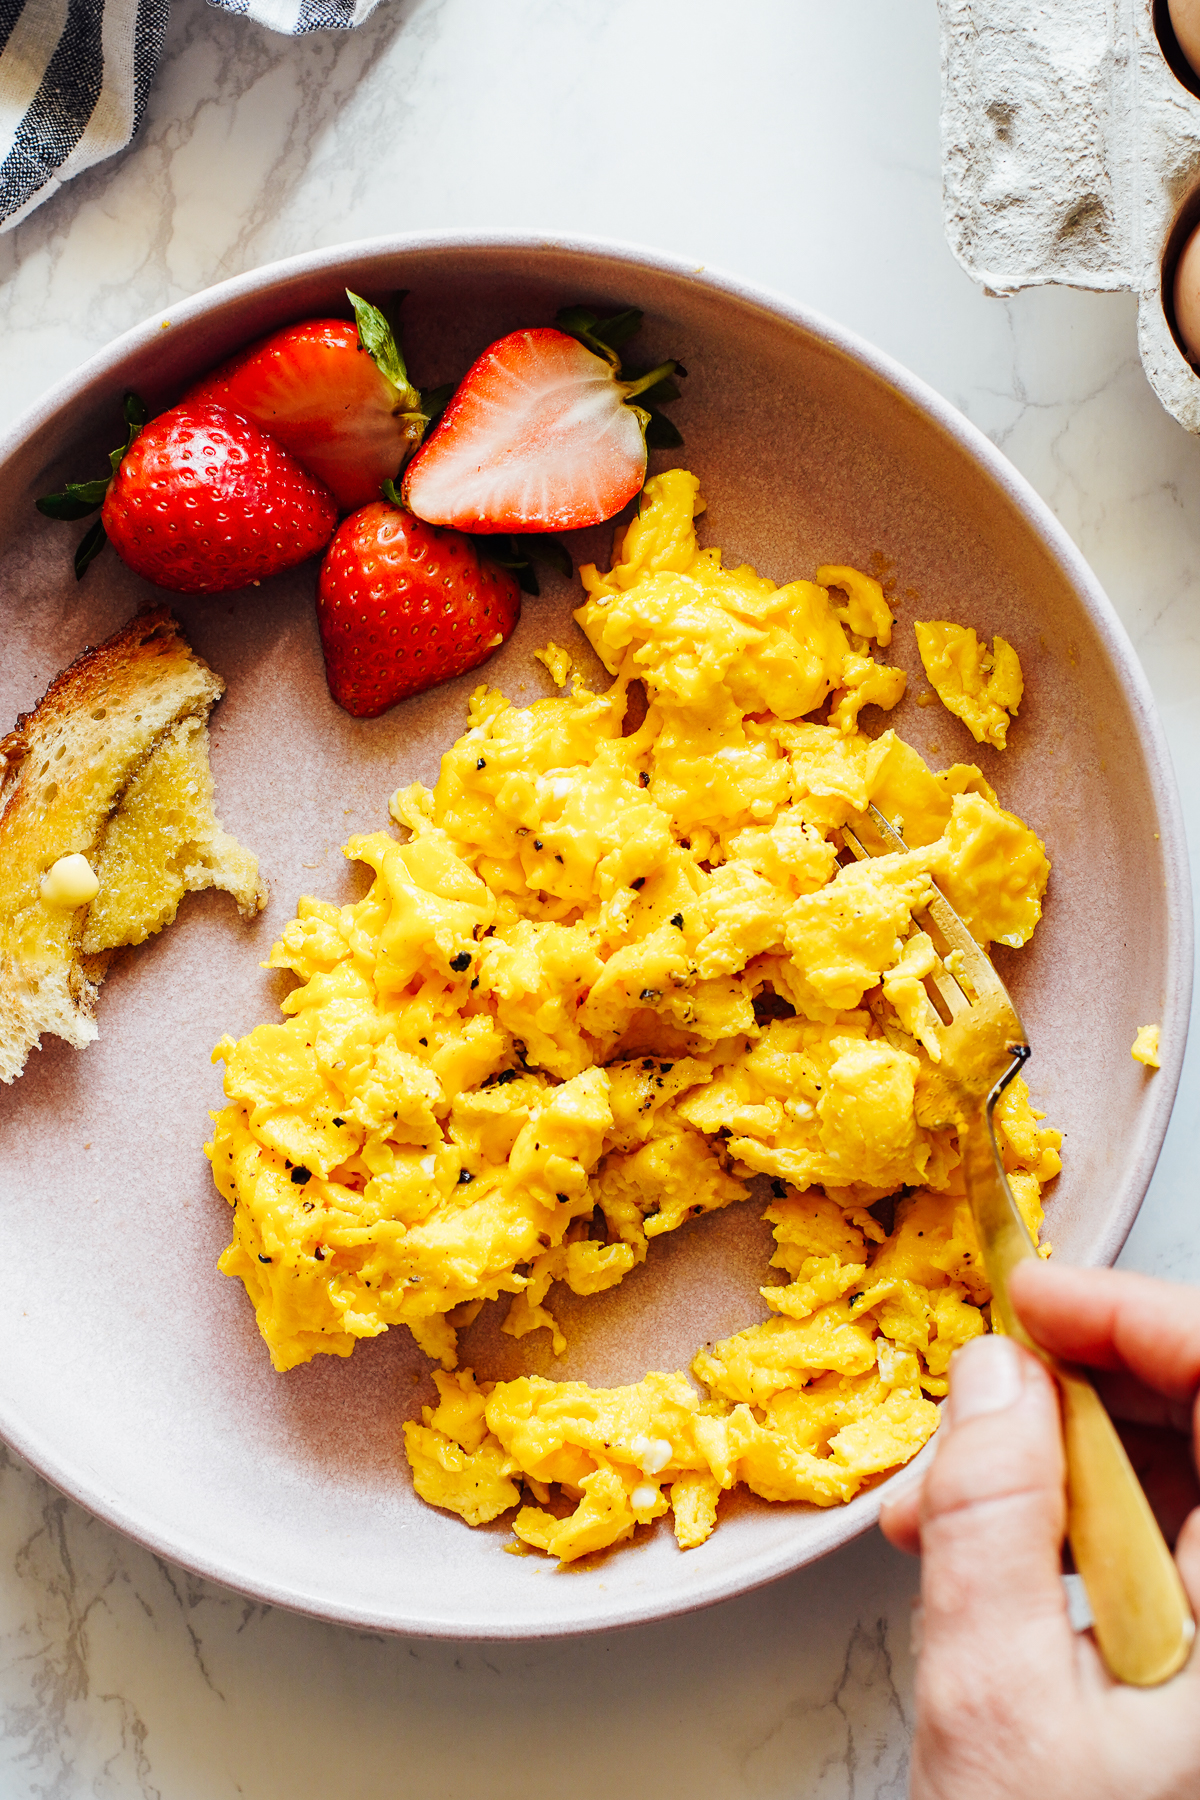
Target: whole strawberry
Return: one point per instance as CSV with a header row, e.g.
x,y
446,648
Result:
x,y
204,501
402,605
336,395
199,501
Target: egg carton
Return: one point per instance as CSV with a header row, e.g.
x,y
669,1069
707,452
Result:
x,y
1071,154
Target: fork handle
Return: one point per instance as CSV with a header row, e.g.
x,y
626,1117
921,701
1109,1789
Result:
x,y
1142,1620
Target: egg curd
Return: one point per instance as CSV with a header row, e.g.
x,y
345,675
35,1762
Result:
x,y
981,687
610,977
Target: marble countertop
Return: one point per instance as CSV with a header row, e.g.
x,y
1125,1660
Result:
x,y
796,144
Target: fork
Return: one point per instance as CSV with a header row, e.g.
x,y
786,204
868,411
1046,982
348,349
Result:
x,y
1142,1620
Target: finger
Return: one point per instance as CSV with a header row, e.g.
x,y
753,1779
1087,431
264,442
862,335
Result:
x,y
993,1513
1114,1319
900,1517
1187,1555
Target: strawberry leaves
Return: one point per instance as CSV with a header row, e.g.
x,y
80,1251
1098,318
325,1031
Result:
x,y
81,498
379,341
415,412
516,552
602,336
652,388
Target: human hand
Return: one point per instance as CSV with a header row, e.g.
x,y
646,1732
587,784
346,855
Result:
x,y
1012,1703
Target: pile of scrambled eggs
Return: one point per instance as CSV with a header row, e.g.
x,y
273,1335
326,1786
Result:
x,y
608,979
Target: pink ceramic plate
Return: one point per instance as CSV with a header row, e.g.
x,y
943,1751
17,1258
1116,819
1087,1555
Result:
x,y
131,1373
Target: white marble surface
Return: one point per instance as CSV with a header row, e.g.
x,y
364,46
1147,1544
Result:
x,y
797,144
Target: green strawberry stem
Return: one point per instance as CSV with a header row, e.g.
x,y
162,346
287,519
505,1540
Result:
x,y
652,378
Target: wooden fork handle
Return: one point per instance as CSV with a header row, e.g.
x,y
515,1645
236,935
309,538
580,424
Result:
x,y
1142,1620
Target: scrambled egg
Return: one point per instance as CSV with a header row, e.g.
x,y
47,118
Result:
x,y
982,689
1146,1046
613,975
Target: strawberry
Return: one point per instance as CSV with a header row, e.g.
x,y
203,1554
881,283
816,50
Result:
x,y
540,434
200,500
402,605
336,395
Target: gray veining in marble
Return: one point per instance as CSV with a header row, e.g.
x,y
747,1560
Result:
x,y
797,144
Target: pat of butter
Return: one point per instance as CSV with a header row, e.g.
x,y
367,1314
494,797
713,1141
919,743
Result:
x,y
70,882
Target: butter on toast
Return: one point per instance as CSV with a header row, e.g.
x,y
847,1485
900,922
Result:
x,y
111,763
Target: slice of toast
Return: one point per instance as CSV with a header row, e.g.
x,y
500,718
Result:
x,y
117,749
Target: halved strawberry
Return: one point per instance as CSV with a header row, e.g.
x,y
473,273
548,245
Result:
x,y
336,395
402,605
540,434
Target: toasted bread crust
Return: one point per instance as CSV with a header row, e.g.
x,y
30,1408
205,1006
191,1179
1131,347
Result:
x,y
119,675
65,769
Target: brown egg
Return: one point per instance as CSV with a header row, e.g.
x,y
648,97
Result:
x,y
1187,295
1185,18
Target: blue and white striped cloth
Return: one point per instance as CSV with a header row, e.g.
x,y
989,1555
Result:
x,y
75,74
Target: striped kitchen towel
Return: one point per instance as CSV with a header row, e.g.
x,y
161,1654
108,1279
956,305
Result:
x,y
75,74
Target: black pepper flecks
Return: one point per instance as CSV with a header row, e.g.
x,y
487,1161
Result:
x,y
677,919
465,1175
639,884
263,1258
461,963
300,1175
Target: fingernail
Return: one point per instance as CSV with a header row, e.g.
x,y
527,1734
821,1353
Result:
x,y
985,1377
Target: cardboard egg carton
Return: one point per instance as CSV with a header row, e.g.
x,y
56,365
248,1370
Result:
x,y
1071,154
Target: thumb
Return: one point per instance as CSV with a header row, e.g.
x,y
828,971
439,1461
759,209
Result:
x,y
998,1648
